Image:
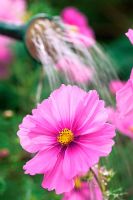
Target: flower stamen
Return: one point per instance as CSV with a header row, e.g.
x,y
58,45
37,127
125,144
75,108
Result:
x,y
65,137
131,129
77,183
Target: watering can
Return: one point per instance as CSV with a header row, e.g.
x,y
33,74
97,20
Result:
x,y
25,32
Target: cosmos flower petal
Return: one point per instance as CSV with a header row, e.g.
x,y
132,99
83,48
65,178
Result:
x,y
73,17
27,143
46,117
122,116
106,132
122,123
98,143
91,116
32,137
76,163
103,150
55,179
42,162
36,126
116,85
124,98
131,74
129,34
66,102
73,196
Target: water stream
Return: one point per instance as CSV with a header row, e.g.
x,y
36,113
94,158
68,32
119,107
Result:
x,y
71,58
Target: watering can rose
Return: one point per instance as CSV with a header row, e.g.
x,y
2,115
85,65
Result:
x,y
68,132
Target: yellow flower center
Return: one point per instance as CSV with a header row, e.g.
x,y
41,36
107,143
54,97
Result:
x,y
77,183
65,137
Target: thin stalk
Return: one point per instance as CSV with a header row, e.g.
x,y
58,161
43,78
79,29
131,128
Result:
x,y
97,179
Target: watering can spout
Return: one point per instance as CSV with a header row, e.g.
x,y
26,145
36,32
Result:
x,y
13,31
36,26
25,32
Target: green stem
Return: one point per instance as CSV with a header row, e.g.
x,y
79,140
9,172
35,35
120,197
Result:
x,y
97,179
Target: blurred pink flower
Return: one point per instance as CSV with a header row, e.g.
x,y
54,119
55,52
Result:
x,y
131,75
76,71
79,39
123,124
115,85
124,97
122,116
73,16
80,29
84,191
4,153
69,133
11,11
111,113
129,34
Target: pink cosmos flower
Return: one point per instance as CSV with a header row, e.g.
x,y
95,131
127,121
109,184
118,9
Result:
x,y
115,85
76,71
84,191
11,11
124,97
111,112
122,116
68,132
80,30
129,34
123,124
